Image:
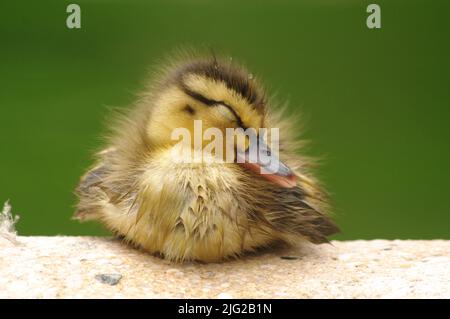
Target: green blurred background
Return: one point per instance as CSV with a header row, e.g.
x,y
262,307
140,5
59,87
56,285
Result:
x,y
377,102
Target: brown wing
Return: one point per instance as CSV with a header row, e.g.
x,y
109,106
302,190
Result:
x,y
289,210
95,189
91,194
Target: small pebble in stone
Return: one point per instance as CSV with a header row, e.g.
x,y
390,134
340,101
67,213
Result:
x,y
109,279
289,257
208,274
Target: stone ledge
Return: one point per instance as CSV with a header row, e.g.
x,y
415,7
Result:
x,y
97,267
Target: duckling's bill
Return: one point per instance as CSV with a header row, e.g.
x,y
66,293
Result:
x,y
268,165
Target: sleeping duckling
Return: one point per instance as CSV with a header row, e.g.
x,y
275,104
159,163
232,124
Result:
x,y
204,211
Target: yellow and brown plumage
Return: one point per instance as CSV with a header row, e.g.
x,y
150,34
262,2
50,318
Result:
x,y
201,211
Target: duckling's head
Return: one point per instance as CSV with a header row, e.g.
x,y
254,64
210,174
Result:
x,y
222,96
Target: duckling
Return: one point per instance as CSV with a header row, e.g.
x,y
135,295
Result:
x,y
202,211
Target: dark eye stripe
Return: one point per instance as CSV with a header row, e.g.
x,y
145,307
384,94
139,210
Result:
x,y
197,96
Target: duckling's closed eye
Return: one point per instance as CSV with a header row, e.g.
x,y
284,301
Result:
x,y
226,112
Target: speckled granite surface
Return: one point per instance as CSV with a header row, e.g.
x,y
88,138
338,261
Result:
x,y
94,267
